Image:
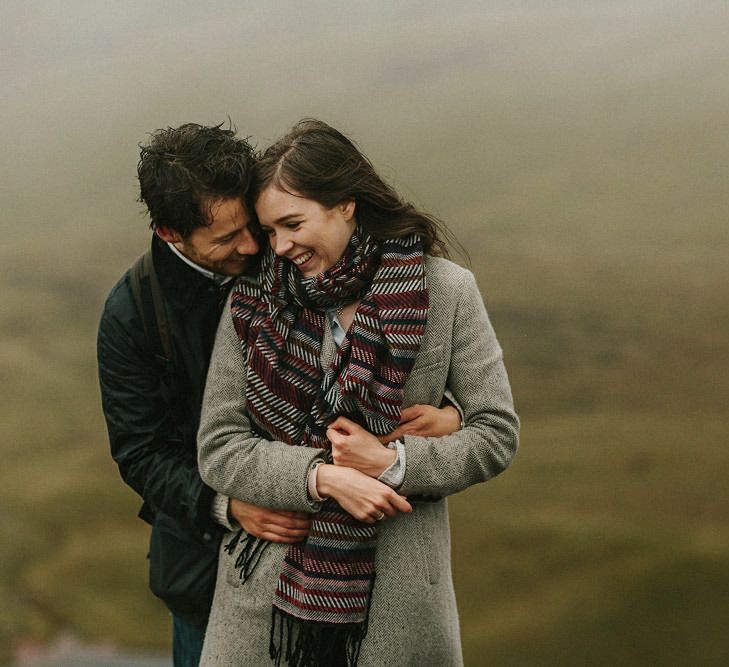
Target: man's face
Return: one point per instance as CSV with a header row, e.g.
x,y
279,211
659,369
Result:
x,y
226,246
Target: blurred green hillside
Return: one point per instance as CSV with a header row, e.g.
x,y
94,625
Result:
x,y
579,154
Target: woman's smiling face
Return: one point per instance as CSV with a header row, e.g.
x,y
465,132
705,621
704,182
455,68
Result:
x,y
303,231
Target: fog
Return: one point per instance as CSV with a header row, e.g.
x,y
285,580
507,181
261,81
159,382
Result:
x,y
460,105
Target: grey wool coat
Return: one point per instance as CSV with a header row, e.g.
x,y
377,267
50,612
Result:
x,y
413,616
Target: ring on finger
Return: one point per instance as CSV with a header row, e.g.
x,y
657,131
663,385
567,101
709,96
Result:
x,y
381,517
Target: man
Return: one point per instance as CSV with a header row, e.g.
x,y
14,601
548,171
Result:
x,y
194,181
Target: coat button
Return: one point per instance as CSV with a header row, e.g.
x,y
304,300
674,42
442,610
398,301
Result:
x,y
207,536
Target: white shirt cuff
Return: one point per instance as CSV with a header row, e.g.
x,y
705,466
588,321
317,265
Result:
x,y
219,512
394,475
311,482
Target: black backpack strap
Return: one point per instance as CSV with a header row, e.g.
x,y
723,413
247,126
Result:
x,y
148,298
150,303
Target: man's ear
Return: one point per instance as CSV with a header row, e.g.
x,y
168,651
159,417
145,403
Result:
x,y
167,234
347,207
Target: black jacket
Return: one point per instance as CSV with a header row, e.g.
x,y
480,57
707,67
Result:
x,y
153,424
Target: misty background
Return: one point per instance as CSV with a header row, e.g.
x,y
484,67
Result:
x,y
578,150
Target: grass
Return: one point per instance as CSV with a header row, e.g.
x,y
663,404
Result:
x,y
606,542
597,550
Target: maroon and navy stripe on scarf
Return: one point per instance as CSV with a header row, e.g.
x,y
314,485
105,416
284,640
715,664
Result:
x,y
326,581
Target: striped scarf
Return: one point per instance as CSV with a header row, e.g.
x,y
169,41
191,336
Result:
x,y
323,594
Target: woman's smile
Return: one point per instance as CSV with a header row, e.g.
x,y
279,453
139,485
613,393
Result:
x,y
311,236
302,259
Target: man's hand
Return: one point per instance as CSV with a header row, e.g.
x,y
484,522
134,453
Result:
x,y
272,525
426,421
355,447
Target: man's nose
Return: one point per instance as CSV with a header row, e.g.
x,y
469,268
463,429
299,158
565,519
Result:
x,y
248,245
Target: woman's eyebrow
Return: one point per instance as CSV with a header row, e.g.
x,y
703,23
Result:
x,y
286,218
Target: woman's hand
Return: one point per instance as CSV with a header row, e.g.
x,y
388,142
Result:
x,y
272,525
366,499
355,447
426,421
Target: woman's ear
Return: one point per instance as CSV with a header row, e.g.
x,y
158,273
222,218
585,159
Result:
x,y
347,207
166,234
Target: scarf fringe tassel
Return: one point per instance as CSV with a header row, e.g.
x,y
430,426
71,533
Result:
x,y
298,643
251,551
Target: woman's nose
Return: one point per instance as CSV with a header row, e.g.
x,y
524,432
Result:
x,y
281,243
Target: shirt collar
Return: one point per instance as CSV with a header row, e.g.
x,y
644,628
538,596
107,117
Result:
x,y
217,278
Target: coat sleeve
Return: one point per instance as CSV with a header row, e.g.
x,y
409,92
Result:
x,y
233,460
162,471
486,444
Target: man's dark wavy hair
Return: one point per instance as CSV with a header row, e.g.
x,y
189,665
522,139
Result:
x,y
183,170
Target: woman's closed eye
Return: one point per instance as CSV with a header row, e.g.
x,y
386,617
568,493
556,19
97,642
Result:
x,y
289,226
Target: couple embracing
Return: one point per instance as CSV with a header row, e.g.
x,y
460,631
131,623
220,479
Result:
x,y
354,382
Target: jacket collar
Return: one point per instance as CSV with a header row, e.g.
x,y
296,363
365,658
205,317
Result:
x,y
180,282
218,278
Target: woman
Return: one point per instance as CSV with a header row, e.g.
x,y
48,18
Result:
x,y
353,319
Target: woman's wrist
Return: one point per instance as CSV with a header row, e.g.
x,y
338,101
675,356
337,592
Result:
x,y
325,480
385,459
